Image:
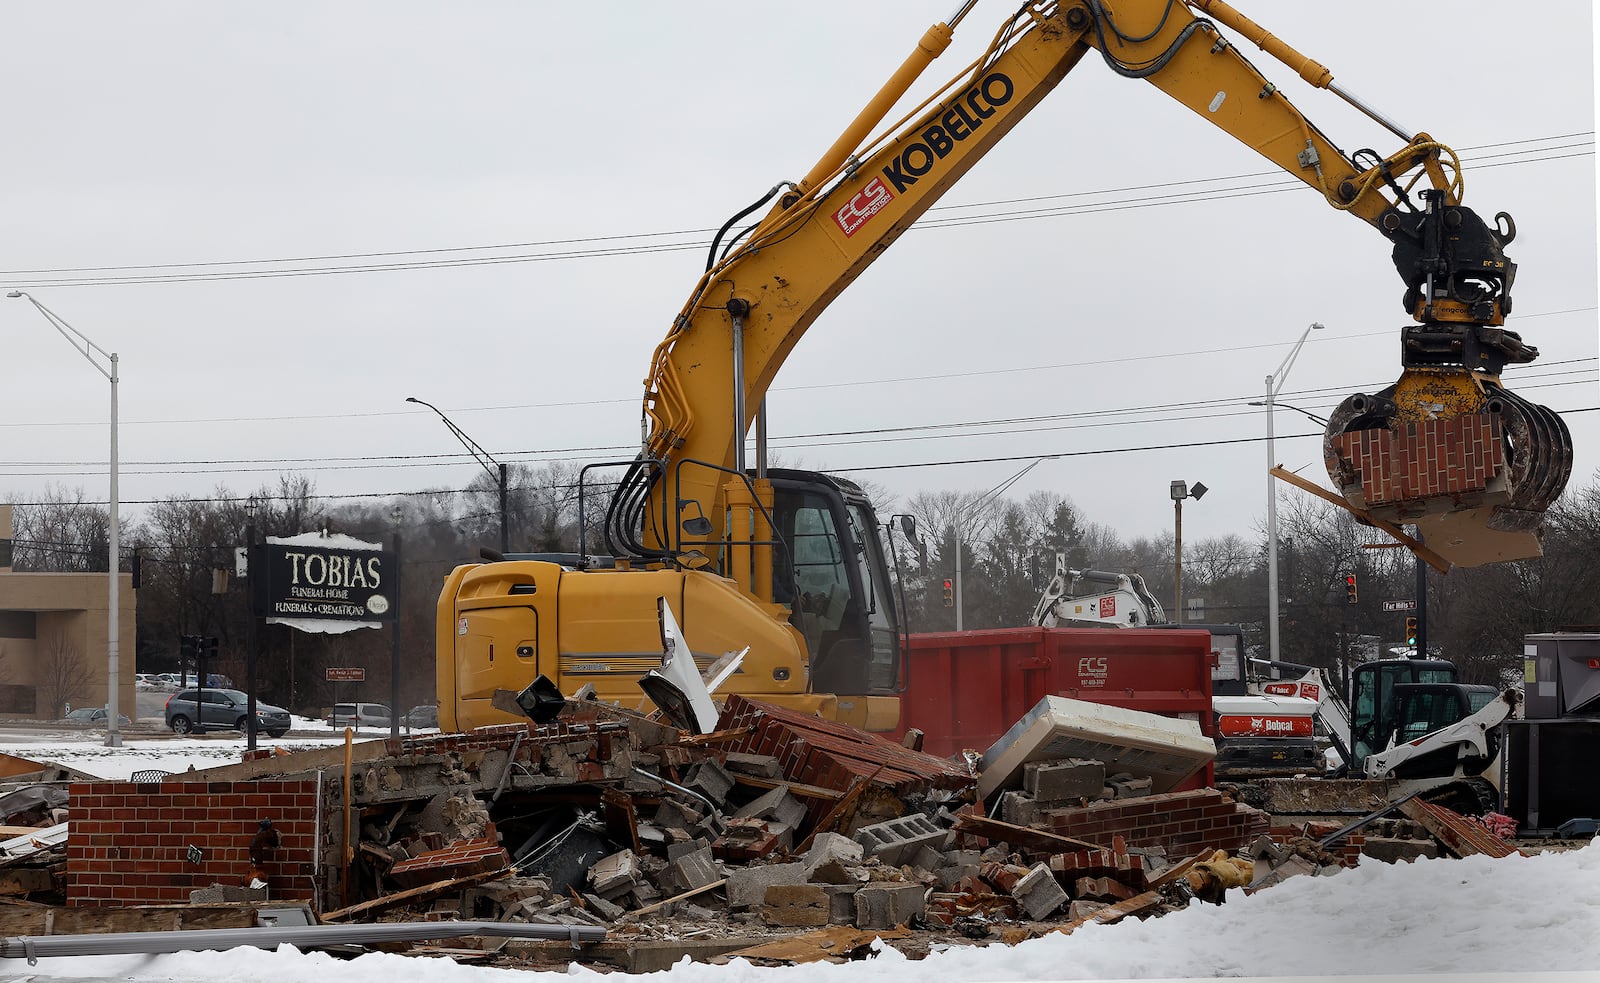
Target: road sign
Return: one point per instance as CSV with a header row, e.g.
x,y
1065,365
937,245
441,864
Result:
x,y
346,674
1407,605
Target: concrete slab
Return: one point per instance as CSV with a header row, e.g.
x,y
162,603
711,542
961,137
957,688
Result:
x,y
1145,745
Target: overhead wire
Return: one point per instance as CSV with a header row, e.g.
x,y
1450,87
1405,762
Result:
x,y
629,244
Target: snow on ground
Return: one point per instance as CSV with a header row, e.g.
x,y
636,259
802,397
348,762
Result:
x,y
1474,919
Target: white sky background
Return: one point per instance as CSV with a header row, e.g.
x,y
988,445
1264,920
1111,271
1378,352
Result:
x,y
1476,920
185,132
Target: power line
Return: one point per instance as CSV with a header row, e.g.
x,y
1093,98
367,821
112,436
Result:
x,y
97,275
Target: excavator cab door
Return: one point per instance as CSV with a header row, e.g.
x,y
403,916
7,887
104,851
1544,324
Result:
x,y
830,572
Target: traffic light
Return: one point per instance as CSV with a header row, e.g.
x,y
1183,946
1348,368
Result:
x,y
208,647
188,649
949,593
1350,588
1411,631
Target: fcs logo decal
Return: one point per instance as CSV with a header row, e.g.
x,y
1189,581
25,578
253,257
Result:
x,y
1108,607
869,201
1092,672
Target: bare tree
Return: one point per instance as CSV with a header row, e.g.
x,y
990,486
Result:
x,y
63,675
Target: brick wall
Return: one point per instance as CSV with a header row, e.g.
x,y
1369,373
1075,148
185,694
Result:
x,y
1424,460
130,842
1182,823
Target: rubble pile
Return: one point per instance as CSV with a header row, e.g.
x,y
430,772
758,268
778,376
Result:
x,y
776,837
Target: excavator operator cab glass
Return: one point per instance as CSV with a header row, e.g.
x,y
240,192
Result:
x,y
832,576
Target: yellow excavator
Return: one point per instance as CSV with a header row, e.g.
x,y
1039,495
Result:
x,y
791,563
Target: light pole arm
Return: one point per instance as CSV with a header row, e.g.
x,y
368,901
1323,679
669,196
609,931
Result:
x,y
496,470
88,349
75,338
483,457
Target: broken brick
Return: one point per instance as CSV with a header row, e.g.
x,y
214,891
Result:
x,y
459,859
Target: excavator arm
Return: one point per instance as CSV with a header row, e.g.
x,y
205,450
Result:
x,y
687,498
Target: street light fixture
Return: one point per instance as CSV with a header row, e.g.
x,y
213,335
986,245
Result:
x,y
1274,384
1286,406
1180,490
495,468
88,349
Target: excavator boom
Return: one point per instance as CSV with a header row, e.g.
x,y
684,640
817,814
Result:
x,y
764,287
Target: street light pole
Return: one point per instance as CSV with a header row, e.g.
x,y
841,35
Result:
x,y
484,458
1180,491
77,340
1274,384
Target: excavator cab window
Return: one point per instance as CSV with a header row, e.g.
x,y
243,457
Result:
x,y
832,576
882,629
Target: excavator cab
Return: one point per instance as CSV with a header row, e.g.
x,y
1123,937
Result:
x,y
831,573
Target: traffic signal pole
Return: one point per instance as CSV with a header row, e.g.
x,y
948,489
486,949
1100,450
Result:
x,y
1422,603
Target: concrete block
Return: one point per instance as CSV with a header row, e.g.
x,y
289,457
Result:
x,y
887,904
605,909
672,814
1019,808
836,871
795,905
1128,787
896,841
710,779
1063,781
760,765
616,874
1038,892
841,903
747,886
777,804
1083,909
831,846
1394,850
684,847
954,874
694,869
928,859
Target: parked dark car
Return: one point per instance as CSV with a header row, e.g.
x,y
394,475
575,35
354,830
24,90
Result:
x,y
222,709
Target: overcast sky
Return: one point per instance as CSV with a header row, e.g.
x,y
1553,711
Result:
x,y
530,187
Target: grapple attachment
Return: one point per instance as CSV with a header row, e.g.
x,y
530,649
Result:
x,y
1449,450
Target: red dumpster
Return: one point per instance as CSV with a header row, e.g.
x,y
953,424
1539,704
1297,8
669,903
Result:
x,y
967,688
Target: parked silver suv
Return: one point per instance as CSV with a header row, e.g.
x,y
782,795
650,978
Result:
x,y
222,709
359,715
